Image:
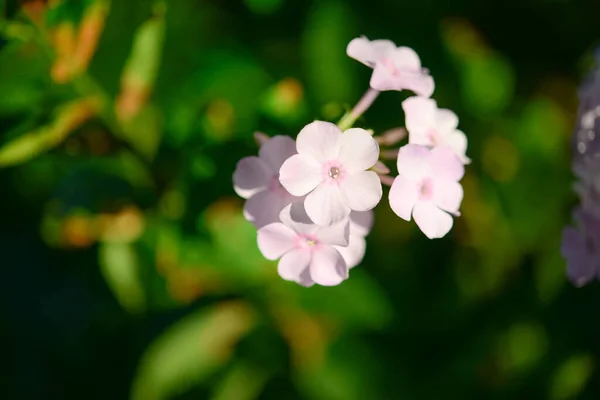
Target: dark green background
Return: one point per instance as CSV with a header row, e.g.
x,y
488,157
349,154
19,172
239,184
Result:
x,y
485,313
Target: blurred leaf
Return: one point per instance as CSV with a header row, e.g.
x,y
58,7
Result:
x,y
242,382
328,32
144,131
522,346
141,68
543,129
488,83
571,377
67,118
347,374
121,268
190,350
264,6
357,302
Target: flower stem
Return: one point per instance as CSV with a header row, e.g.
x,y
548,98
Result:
x,y
363,105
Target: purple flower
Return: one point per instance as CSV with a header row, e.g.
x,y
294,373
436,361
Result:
x,y
581,248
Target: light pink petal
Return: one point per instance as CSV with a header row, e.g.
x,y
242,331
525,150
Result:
x,y
421,84
305,279
274,240
361,222
299,175
251,176
444,164
403,196
358,150
319,141
325,206
293,264
445,120
294,216
361,191
432,221
413,162
327,266
447,195
336,234
264,207
354,253
405,58
276,150
419,113
369,52
457,141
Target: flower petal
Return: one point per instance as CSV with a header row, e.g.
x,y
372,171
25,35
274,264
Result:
x,y
447,195
294,216
444,164
264,207
299,175
358,150
293,264
457,141
445,120
405,58
422,84
325,206
361,222
369,52
403,196
354,253
361,191
274,240
251,176
336,234
319,141
432,221
419,113
413,162
580,264
276,150
327,267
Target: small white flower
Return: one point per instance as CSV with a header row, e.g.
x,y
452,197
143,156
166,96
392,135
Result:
x,y
427,188
331,169
394,68
307,252
431,126
257,179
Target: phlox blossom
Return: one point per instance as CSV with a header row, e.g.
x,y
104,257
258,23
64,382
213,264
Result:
x,y
427,188
306,251
429,125
331,169
257,179
394,68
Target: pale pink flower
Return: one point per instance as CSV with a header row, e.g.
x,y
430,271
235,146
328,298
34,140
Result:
x,y
394,68
306,251
257,179
429,125
330,168
427,188
360,226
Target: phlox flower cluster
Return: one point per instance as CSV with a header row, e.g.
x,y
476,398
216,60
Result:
x,y
581,242
312,199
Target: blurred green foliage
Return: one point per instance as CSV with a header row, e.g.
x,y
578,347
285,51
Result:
x,y
130,272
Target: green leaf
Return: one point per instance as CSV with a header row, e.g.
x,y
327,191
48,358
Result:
x,y
571,377
328,32
68,117
144,131
120,266
190,350
242,382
